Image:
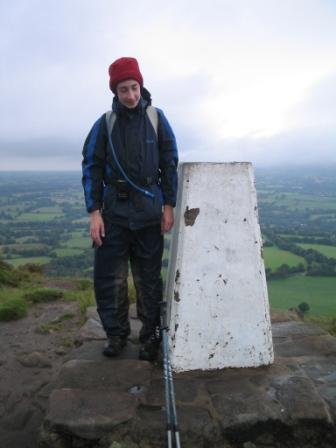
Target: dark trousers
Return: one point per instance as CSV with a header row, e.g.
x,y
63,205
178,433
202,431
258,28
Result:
x,y
143,249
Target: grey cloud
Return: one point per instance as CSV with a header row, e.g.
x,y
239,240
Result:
x,y
304,146
42,148
53,82
312,141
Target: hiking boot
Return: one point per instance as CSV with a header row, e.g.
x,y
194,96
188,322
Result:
x,y
149,350
114,346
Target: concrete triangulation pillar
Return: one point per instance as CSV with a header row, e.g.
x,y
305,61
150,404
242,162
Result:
x,y
216,284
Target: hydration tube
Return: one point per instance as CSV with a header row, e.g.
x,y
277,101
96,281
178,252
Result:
x,y
128,180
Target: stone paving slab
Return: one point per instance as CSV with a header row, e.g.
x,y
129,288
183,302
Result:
x,y
91,330
89,413
296,329
92,351
306,346
320,369
118,374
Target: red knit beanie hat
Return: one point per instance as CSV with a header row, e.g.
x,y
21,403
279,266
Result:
x,y
122,69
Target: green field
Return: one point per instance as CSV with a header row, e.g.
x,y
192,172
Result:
x,y
23,239
300,237
84,220
53,210
299,201
27,246
67,252
275,257
328,251
313,216
19,261
12,208
318,292
78,241
311,202
38,217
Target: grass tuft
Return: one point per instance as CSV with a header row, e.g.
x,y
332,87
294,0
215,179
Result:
x,y
83,284
10,276
13,309
43,295
328,323
55,324
85,298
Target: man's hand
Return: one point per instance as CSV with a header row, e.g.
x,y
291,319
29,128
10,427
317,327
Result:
x,y
167,219
97,228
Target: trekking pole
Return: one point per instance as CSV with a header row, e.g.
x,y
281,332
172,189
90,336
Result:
x,y
172,424
167,388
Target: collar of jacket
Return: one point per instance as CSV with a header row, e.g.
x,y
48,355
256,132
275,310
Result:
x,y
121,109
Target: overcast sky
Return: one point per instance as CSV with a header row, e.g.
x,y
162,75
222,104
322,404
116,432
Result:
x,y
239,80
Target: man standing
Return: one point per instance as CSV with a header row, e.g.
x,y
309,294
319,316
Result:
x,y
130,184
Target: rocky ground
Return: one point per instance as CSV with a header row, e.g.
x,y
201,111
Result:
x,y
32,352
53,373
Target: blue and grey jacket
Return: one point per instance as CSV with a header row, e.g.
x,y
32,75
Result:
x,y
149,159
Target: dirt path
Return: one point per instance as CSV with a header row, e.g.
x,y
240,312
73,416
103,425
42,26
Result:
x,y
31,353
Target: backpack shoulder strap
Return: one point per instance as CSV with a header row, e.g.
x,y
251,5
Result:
x,y
153,118
110,117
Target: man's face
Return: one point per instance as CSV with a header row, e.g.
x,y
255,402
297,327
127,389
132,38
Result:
x,y
128,93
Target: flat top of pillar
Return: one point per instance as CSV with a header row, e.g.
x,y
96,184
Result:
x,y
214,163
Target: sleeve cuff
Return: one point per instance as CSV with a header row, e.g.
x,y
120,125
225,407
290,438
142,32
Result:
x,y
94,208
171,203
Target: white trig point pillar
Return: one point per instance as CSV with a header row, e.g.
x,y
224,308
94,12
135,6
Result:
x,y
216,284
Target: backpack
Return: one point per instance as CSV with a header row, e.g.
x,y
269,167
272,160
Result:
x,y
152,114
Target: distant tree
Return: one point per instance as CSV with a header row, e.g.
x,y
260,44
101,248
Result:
x,y
298,268
321,270
303,308
283,271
